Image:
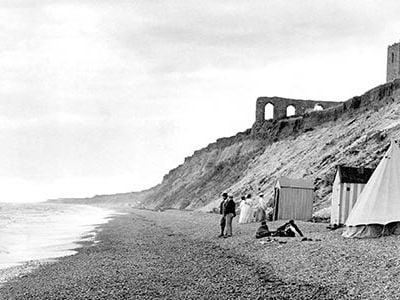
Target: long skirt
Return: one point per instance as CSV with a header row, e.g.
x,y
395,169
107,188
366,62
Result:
x,y
246,214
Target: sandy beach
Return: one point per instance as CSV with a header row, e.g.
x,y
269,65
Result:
x,y
177,255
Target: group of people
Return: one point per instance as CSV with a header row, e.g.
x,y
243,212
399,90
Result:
x,y
253,210
249,212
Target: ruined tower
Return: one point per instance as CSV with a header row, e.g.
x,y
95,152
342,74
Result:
x,y
393,62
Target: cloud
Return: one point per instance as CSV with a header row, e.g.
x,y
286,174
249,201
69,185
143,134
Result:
x,y
102,88
188,37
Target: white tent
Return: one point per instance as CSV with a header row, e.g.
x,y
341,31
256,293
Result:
x,y
377,210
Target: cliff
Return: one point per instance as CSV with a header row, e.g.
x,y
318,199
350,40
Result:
x,y
356,132
133,199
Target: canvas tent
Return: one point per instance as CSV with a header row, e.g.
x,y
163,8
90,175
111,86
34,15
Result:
x,y
377,211
293,199
347,187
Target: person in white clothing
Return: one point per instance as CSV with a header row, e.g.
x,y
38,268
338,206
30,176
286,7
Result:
x,y
246,211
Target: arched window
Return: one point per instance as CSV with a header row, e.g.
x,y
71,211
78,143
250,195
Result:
x,y
392,57
290,111
318,107
269,111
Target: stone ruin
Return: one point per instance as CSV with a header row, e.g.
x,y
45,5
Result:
x,y
294,115
282,107
393,62
305,115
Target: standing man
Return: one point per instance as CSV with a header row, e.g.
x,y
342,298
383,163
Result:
x,y
227,210
222,212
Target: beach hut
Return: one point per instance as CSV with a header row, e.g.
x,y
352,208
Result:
x,y
347,186
293,199
377,210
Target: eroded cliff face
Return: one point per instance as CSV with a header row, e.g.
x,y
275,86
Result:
x,y
201,177
307,147
355,133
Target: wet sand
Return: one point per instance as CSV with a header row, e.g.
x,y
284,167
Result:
x,y
177,255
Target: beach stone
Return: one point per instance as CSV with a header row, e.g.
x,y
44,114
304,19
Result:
x,y
148,255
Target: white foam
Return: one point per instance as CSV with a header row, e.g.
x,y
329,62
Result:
x,y
41,232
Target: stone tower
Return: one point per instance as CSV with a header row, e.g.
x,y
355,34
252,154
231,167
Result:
x,y
393,62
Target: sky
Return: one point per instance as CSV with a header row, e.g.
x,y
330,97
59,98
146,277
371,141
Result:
x,y
106,96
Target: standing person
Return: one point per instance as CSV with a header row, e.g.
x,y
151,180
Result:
x,y
230,213
261,216
252,210
242,201
227,210
245,211
222,212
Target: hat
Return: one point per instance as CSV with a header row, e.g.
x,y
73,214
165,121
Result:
x,y
224,194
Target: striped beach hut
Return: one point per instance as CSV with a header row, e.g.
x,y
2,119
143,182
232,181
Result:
x,y
348,184
293,199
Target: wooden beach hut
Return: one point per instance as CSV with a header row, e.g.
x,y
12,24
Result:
x,y
293,199
347,186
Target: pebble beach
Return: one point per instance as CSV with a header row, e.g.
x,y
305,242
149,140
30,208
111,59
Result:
x,y
178,255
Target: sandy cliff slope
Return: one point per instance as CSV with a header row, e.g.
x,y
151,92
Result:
x,y
355,134
249,164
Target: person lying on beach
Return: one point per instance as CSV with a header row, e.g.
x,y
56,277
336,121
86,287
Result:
x,y
288,229
263,231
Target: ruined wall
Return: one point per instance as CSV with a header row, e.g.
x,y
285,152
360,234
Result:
x,y
393,62
373,100
281,104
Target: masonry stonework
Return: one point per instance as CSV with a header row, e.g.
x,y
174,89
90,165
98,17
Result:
x,y
272,130
281,104
393,62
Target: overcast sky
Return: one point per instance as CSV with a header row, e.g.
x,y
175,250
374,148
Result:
x,y
106,96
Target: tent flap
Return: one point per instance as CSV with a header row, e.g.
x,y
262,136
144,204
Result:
x,y
372,230
379,202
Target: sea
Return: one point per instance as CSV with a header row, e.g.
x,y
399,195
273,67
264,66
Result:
x,y
35,233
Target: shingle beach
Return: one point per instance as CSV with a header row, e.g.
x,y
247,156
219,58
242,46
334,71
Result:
x,y
177,255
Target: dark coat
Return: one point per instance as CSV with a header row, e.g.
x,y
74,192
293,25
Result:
x,y
262,231
285,227
227,207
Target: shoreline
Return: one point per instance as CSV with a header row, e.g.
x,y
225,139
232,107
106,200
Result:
x,y
176,254
60,248
12,272
26,267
